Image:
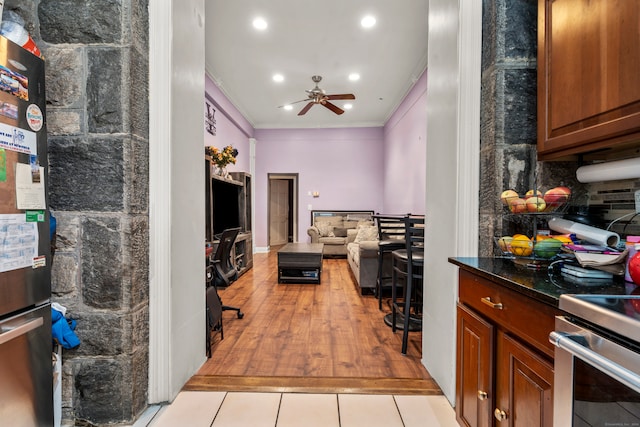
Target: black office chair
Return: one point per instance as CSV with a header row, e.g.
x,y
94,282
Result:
x,y
408,268
224,272
390,237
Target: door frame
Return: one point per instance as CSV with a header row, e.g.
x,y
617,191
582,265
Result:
x,y
293,206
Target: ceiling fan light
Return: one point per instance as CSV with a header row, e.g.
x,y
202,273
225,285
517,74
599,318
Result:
x,y
354,77
288,107
368,21
260,24
347,106
278,78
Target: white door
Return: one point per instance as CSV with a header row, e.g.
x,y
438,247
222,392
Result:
x,y
279,212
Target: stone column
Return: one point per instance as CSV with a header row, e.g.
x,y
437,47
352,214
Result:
x,y
508,115
96,56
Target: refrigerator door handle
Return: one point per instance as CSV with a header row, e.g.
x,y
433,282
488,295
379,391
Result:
x,y
11,333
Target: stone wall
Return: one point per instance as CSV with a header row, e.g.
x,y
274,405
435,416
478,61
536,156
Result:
x,y
96,54
508,115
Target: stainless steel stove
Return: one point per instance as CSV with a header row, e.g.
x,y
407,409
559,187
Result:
x,y
597,360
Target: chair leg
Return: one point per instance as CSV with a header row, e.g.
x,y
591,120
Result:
x,y
394,297
407,311
208,332
239,312
379,280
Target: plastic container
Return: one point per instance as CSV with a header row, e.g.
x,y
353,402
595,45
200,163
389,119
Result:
x,y
12,27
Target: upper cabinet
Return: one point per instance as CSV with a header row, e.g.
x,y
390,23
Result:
x,y
588,78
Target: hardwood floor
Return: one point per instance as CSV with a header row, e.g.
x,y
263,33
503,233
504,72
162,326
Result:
x,y
311,338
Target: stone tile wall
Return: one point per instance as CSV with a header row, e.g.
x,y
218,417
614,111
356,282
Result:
x,y
508,116
96,55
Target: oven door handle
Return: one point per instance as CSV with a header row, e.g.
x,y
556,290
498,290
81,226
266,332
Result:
x,y
565,342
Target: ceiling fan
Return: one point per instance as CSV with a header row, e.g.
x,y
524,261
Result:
x,y
318,96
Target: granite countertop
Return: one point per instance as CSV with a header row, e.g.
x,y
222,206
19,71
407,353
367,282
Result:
x,y
541,284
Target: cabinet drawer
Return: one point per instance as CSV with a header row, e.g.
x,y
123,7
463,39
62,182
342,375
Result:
x,y
527,318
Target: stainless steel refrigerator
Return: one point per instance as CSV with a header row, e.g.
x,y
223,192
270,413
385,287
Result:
x,y
26,373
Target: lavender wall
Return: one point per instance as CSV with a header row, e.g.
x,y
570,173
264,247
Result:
x,y
231,127
343,165
379,169
405,136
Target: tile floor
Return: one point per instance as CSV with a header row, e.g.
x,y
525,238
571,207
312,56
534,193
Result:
x,y
243,409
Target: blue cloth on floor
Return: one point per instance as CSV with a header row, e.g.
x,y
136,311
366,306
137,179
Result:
x,y
62,330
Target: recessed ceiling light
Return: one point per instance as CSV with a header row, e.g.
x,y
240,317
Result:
x,y
259,24
347,106
368,21
278,78
288,107
354,76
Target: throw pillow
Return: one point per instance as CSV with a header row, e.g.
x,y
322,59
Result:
x,y
364,223
350,224
339,232
324,228
366,233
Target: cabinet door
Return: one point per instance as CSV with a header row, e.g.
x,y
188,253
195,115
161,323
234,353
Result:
x,y
474,366
524,385
588,86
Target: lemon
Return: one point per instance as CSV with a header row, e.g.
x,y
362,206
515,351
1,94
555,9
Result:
x,y
521,246
505,243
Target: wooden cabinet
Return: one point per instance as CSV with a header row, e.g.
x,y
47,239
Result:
x,y
524,384
504,360
475,361
588,86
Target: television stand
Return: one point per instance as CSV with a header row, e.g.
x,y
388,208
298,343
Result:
x,y
242,254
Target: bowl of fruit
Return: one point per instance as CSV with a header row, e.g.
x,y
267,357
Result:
x,y
535,201
521,246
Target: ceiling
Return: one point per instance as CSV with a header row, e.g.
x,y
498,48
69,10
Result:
x,y
306,38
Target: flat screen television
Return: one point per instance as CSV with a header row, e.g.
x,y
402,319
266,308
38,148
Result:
x,y
226,205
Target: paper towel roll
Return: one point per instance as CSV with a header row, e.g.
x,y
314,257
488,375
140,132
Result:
x,y
592,235
609,171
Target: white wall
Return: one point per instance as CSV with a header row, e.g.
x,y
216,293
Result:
x,y
176,199
453,91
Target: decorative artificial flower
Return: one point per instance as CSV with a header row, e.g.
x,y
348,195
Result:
x,y
222,157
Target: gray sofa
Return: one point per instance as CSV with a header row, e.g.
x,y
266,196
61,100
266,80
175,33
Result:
x,y
359,243
336,228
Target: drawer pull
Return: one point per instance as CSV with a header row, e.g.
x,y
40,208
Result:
x,y
482,395
487,301
500,414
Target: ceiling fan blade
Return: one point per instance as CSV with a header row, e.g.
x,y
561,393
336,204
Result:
x,y
341,96
306,108
333,108
294,102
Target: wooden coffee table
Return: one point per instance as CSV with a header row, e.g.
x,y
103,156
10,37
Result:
x,y
300,263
